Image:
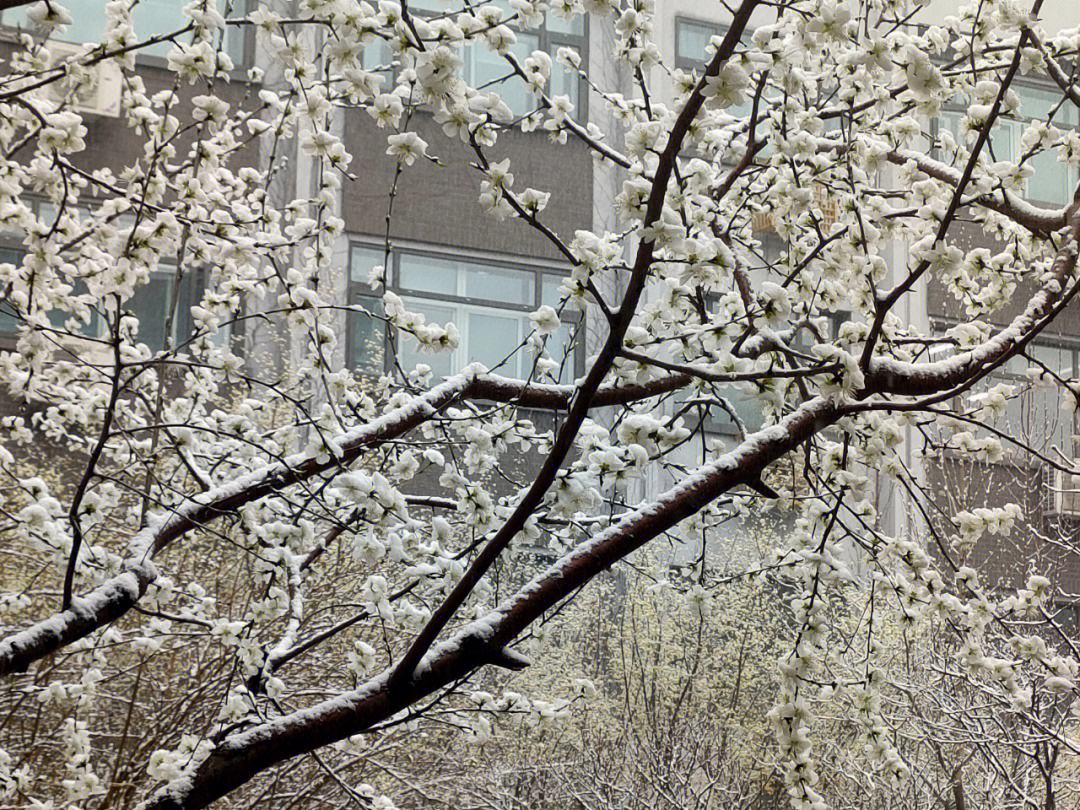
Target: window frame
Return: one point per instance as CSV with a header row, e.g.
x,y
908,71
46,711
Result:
x,y
688,63
1003,375
696,65
358,288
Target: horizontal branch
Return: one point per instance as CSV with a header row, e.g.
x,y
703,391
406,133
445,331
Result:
x,y
1040,221
890,376
113,598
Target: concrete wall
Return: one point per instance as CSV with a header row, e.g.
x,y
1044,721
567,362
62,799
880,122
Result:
x,y
438,204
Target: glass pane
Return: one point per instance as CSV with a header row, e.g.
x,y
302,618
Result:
x,y
192,286
59,318
492,338
746,405
549,292
503,6
47,213
442,364
504,286
10,233
361,260
1052,181
1003,141
367,337
88,20
564,81
377,54
558,24
9,322
1016,366
949,121
235,37
1056,358
560,350
483,67
428,274
1041,421
692,38
155,17
150,17
150,304
1037,104
748,408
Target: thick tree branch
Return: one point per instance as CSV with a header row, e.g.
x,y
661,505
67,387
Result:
x,y
241,756
112,599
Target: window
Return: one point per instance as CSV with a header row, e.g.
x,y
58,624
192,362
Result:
x,y
366,335
149,17
692,39
744,398
1067,615
488,302
488,71
1034,415
151,302
9,321
1053,182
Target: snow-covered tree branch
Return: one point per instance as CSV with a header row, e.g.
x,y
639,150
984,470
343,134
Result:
x,y
200,474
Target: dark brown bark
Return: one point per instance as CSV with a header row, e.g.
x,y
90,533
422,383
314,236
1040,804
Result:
x,y
242,756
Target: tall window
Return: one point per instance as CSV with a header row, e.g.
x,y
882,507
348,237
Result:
x,y
489,303
149,17
1037,414
1053,182
153,302
486,70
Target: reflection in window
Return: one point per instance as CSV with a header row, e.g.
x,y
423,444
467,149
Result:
x,y
488,303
